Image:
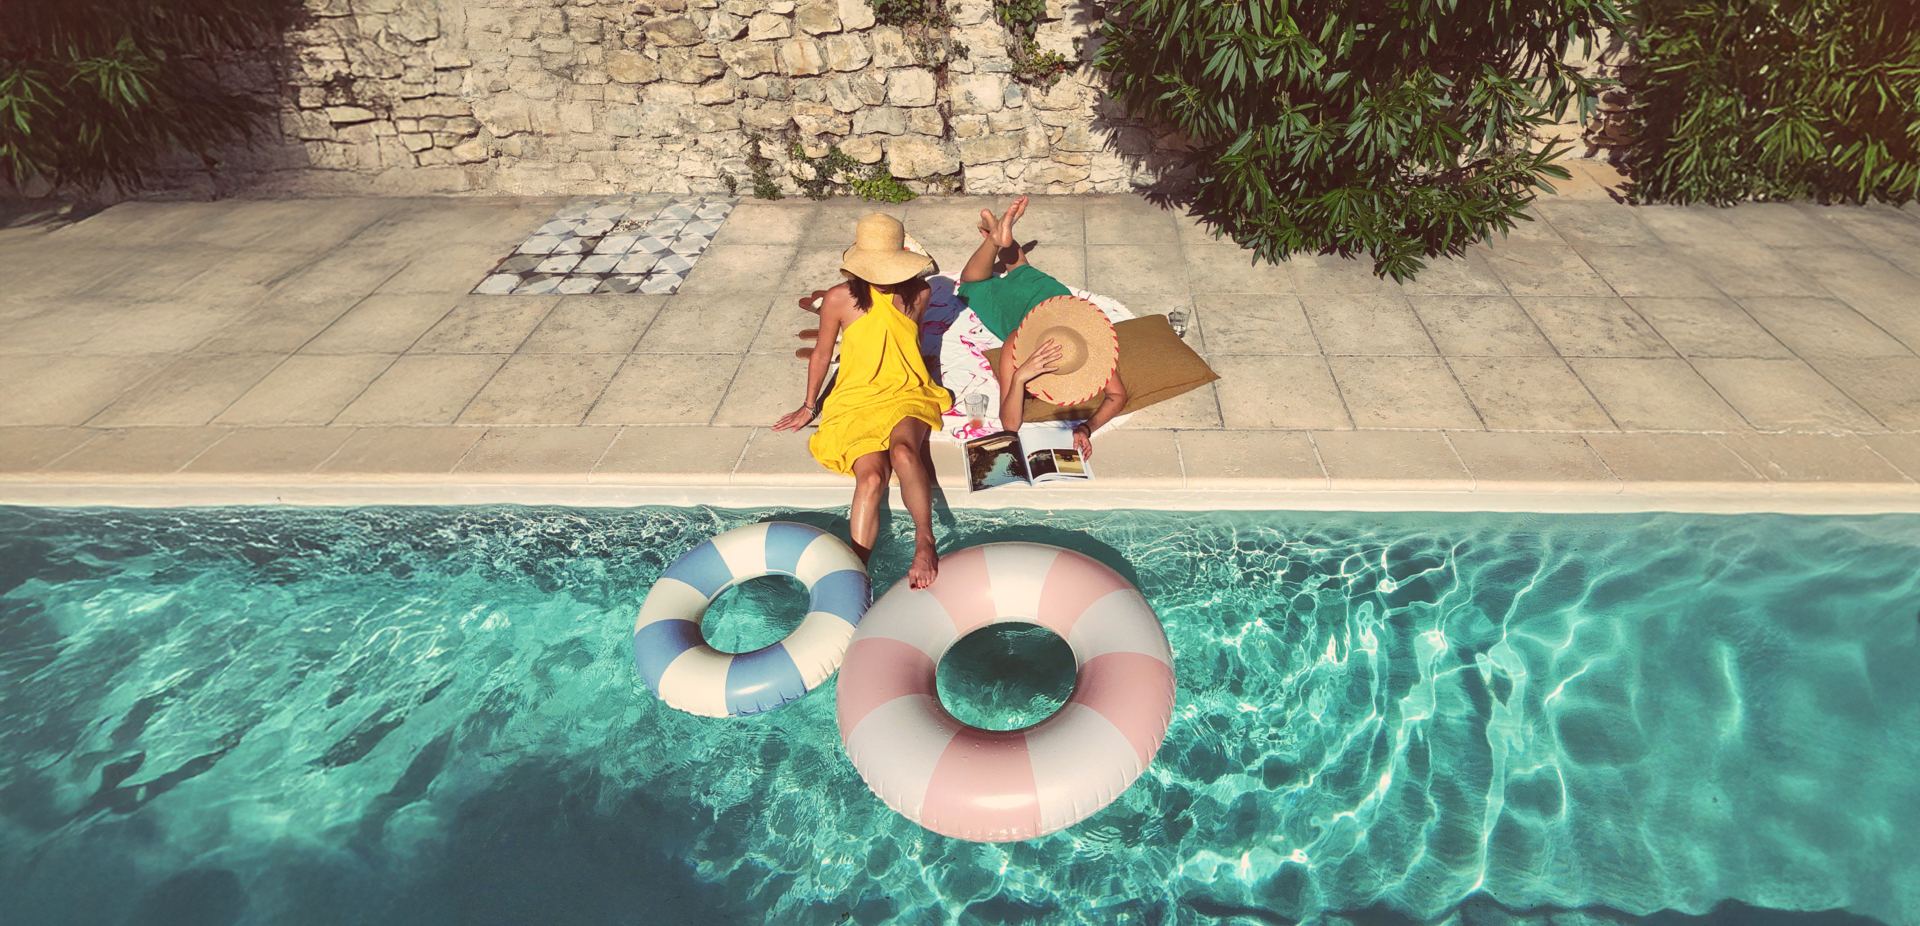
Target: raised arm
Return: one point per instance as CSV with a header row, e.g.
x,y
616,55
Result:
x,y
1013,382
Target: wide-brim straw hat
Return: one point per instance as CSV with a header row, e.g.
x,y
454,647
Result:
x,y
879,253
1090,348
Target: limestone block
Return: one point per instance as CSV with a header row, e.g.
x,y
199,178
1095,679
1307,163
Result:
x,y
435,157
1080,137
818,17
577,117
863,149
673,31
348,115
312,97
913,157
1064,38
416,22
911,87
977,93
926,121
847,53
1074,158
987,179
802,58
840,95
711,119
819,119
471,152
622,121
306,126
970,12
890,47
532,81
870,88
765,26
690,65
741,8
990,148
813,91
715,93
1060,118
1108,167
725,27
1064,94
1013,96
1037,145
1057,173
969,126
420,141
447,59
556,45
880,120
855,14
767,116
1011,120
783,7
749,59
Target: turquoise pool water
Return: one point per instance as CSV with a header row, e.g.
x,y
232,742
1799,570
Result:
x,y
425,716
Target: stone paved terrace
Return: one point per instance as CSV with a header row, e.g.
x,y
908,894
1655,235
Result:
x,y
328,349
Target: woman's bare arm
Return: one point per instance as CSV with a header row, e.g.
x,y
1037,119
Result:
x,y
1013,382
833,312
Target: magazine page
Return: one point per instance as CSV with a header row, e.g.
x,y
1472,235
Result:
x,y
994,461
1051,456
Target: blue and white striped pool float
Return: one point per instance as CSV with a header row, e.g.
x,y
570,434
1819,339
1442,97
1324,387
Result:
x,y
688,674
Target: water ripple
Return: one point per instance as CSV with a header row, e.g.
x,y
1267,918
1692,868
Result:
x,y
430,715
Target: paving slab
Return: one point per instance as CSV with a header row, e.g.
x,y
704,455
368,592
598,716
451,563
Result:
x,y
1636,356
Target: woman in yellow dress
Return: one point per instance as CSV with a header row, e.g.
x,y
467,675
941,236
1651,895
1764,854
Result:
x,y
875,422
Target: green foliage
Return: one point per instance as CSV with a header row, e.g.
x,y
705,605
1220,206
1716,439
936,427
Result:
x,y
1030,64
1400,129
928,28
761,168
837,172
98,91
1778,99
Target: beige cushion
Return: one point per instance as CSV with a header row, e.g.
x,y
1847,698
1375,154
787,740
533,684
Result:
x,y
1155,365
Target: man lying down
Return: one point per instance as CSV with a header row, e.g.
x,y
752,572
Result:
x,y
1058,347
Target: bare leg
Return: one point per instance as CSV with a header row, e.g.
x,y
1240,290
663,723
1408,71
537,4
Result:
x,y
980,264
870,476
907,444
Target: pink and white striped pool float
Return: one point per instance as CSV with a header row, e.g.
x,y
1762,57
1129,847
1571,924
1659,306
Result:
x,y
1003,786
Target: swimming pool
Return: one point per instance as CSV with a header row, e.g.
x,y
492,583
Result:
x,y
431,715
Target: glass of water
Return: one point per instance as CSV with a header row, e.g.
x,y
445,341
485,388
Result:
x,y
1178,319
976,406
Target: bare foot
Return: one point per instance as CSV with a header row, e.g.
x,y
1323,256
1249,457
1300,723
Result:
x,y
926,564
1003,230
987,223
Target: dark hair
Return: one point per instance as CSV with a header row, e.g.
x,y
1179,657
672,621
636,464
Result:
x,y
862,292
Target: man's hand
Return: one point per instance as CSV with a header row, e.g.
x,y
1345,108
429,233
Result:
x,y
1083,441
1045,360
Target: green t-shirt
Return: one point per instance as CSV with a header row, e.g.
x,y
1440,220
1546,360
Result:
x,y
1003,302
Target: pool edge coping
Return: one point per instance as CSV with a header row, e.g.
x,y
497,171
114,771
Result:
x,y
211,490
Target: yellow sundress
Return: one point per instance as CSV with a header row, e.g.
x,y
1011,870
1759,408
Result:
x,y
882,380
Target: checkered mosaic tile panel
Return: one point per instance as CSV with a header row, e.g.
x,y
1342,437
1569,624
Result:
x,y
631,244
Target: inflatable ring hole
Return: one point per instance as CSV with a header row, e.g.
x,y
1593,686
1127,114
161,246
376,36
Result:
x,y
1006,676
754,614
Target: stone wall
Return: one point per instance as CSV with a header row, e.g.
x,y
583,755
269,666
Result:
x,y
585,96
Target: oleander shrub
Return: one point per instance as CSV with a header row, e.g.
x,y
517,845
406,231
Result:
x,y
1399,129
96,92
1777,99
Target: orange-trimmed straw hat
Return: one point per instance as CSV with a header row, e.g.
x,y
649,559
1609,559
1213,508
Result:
x,y
1089,348
879,253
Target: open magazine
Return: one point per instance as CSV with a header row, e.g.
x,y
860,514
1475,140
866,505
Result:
x,y
1030,457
